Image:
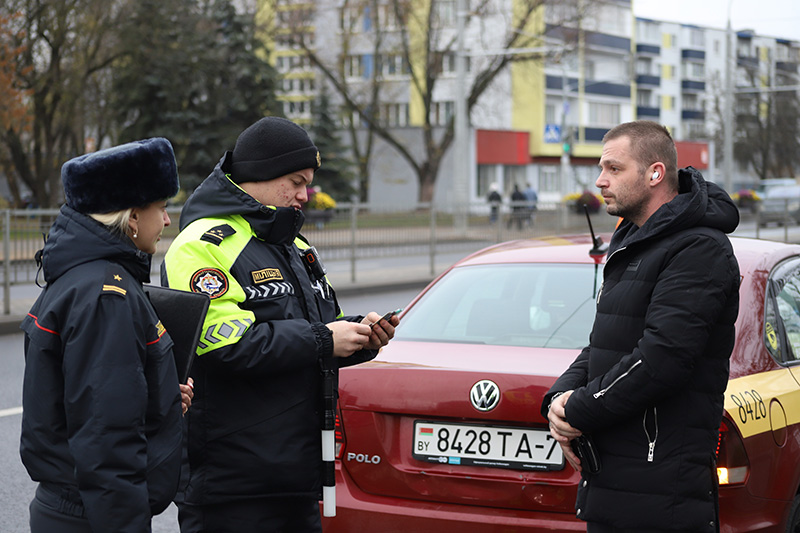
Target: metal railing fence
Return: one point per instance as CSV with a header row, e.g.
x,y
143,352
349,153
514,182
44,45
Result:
x,y
349,232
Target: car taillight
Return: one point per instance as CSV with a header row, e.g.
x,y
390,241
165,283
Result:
x,y
732,463
339,434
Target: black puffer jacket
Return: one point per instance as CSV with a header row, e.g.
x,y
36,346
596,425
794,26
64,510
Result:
x,y
649,388
254,425
101,421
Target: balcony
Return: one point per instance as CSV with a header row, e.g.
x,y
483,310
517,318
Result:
x,y
786,66
693,86
693,114
649,49
648,79
642,111
696,55
747,61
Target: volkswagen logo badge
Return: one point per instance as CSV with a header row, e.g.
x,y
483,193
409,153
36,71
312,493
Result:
x,y
484,395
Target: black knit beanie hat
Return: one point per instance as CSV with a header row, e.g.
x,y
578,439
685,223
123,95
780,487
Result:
x,y
271,148
129,175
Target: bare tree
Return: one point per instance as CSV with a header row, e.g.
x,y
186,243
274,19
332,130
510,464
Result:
x,y
421,35
64,45
768,129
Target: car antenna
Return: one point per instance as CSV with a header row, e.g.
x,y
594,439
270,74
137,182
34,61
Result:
x,y
599,248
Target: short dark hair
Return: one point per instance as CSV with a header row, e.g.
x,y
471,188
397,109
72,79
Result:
x,y
650,142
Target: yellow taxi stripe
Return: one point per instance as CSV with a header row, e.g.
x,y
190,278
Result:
x,y
748,401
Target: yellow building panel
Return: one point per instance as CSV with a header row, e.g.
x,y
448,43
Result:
x,y
528,84
666,102
417,32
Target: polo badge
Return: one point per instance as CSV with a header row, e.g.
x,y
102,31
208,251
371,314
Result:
x,y
210,281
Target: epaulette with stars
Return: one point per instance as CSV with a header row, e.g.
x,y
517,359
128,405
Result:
x,y
216,234
115,280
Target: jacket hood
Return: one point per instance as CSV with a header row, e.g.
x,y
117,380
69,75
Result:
x,y
76,238
218,196
699,203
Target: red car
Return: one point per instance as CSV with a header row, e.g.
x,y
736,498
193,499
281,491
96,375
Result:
x,y
442,431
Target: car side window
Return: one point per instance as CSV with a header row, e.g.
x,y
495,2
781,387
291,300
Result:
x,y
783,316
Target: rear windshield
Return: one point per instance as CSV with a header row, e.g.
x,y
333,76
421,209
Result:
x,y
535,305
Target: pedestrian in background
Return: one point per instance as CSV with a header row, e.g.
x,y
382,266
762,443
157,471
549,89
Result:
x,y
101,422
494,200
254,429
519,209
533,203
646,395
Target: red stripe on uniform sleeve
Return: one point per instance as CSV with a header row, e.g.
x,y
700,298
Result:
x,y
158,339
36,321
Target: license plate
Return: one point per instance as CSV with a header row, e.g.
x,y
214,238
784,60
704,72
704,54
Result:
x,y
492,446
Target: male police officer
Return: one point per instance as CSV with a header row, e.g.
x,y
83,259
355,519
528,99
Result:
x,y
254,428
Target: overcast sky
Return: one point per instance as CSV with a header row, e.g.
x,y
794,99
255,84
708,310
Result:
x,y
773,18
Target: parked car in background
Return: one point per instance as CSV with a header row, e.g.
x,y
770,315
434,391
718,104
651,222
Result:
x,y
767,184
780,205
442,431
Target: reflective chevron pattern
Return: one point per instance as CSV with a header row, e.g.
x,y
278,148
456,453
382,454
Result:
x,y
268,290
224,330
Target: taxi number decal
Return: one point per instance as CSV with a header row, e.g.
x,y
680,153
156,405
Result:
x,y
750,404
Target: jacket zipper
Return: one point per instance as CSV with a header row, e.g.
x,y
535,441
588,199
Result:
x,y
651,444
603,284
603,391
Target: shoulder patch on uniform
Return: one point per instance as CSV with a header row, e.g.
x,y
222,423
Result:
x,y
210,281
115,280
266,274
216,234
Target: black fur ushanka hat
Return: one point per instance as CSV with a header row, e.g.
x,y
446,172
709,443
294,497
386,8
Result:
x,y
134,174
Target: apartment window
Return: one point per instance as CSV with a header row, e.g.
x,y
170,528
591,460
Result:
x,y
695,130
647,31
358,66
691,102
445,13
392,115
486,176
550,113
644,66
548,179
644,98
697,38
694,71
602,114
441,112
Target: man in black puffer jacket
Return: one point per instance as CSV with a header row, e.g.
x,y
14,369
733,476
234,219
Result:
x,y
648,390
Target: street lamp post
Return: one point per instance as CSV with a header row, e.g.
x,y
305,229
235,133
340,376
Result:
x,y
727,154
461,167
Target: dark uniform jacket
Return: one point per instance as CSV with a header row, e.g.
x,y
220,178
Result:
x,y
649,387
101,423
254,425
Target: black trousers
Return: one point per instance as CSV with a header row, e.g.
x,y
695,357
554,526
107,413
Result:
x,y
52,513
258,515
